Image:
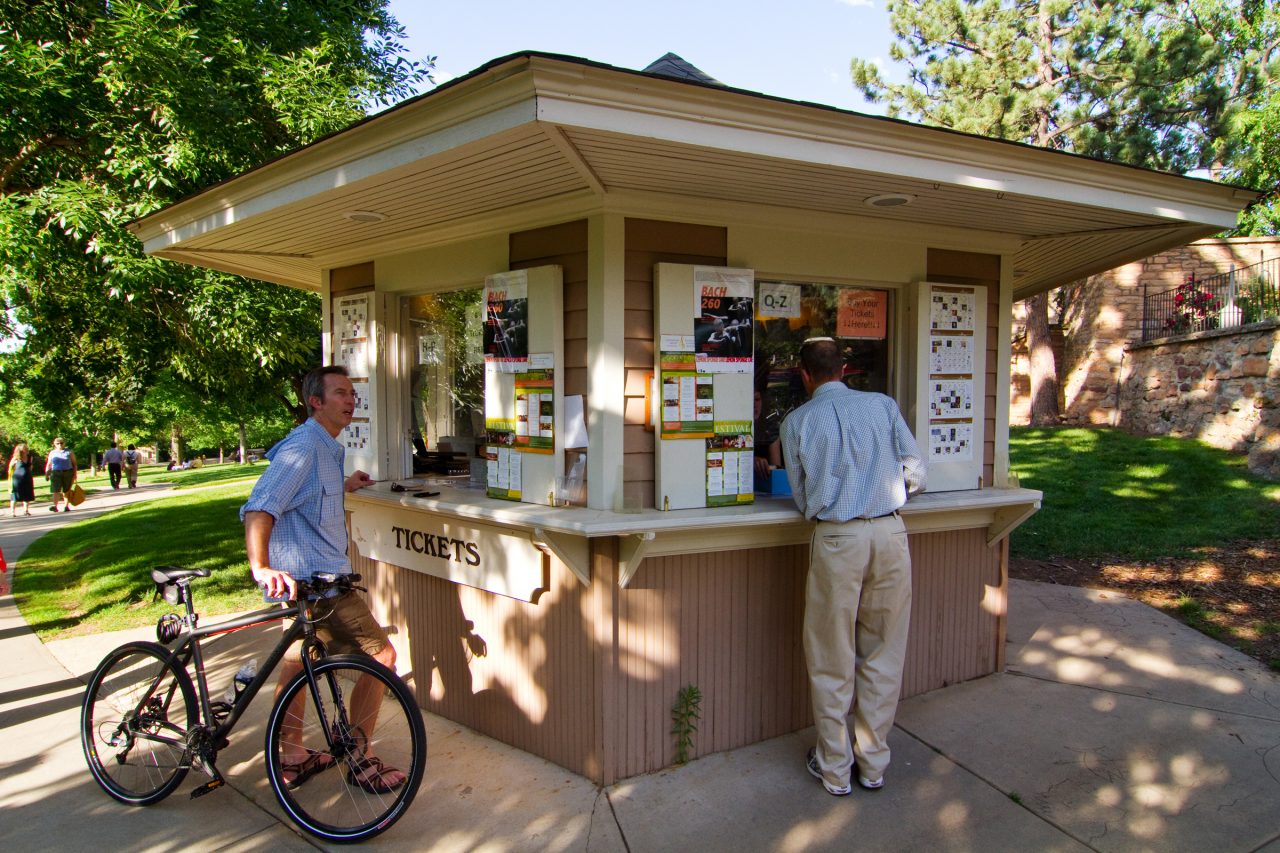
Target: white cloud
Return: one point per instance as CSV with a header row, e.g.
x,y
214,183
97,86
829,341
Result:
x,y
857,3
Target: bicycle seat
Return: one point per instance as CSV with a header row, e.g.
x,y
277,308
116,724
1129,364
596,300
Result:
x,y
169,574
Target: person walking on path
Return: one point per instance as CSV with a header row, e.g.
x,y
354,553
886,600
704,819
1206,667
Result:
x,y
22,481
294,528
131,466
62,472
113,459
852,462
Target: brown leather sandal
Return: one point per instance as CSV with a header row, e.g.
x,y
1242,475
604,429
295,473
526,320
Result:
x,y
313,764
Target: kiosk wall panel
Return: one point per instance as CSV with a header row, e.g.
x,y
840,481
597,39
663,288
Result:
x,y
535,685
650,242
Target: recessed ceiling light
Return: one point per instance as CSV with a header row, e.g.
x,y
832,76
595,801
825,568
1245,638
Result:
x,y
889,200
364,216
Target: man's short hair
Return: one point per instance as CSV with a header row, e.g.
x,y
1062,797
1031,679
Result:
x,y
313,383
821,359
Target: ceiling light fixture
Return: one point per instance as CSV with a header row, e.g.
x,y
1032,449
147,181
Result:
x,y
889,200
364,216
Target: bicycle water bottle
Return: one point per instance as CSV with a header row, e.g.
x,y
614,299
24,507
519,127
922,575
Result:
x,y
244,675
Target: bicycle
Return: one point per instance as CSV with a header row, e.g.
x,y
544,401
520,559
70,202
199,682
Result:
x,y
144,724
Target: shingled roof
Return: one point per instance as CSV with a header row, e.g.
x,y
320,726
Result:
x,y
671,65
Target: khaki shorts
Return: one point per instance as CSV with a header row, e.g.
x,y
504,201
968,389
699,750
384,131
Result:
x,y
345,626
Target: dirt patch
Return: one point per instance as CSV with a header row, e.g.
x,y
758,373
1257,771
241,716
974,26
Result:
x,y
1231,593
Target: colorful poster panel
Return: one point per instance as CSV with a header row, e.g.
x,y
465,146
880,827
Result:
x,y
688,404
731,464
502,462
535,412
724,308
506,322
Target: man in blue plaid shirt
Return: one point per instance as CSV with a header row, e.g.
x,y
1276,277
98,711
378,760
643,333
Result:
x,y
294,528
852,462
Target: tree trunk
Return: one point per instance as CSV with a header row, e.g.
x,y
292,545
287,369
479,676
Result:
x,y
1044,367
244,444
175,443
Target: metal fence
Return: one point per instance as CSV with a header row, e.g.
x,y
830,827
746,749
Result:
x,y
1223,301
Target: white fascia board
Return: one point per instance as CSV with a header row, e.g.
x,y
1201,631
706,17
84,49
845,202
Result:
x,y
1124,192
157,234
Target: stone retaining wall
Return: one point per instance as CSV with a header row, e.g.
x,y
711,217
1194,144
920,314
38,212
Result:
x,y
1222,387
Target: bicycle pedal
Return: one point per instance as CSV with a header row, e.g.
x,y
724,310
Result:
x,y
211,785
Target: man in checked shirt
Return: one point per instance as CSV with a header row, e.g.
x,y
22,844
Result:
x,y
852,463
295,527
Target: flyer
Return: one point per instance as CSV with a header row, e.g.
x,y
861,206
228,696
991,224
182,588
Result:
x,y
535,412
688,404
724,312
502,465
506,321
731,464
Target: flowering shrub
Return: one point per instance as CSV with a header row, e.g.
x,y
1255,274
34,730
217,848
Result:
x,y
1194,309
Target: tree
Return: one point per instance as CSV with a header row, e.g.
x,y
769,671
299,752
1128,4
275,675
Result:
x,y
1255,132
1144,82
113,110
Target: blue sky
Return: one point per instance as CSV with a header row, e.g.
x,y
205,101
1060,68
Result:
x,y
798,49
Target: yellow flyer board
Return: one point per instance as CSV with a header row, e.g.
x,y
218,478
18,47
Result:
x,y
731,464
535,412
688,404
502,461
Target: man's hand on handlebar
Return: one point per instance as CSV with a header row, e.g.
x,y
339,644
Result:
x,y
276,584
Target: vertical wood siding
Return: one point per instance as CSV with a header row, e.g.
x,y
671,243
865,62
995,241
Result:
x,y
976,268
522,673
587,677
650,242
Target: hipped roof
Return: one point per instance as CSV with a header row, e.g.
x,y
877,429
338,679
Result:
x,y
536,138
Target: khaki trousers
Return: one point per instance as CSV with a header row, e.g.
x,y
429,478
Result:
x,y
856,619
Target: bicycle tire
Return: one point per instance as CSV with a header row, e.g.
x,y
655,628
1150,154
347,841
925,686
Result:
x,y
134,721
332,805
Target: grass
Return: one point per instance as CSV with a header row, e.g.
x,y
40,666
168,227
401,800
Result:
x,y
94,575
188,479
1107,493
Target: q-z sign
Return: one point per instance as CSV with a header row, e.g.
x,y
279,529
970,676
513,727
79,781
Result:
x,y
779,300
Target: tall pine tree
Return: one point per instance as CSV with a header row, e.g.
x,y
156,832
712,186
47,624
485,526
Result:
x,y
1144,82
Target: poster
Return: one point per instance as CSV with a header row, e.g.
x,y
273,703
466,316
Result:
x,y
506,321
688,403
502,461
862,314
950,354
351,318
730,464
952,309
723,314
951,442
950,398
535,412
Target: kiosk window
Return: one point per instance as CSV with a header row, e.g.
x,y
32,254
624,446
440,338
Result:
x,y
857,317
446,377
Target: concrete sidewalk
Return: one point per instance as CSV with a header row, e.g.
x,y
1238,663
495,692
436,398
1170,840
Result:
x,y
1114,728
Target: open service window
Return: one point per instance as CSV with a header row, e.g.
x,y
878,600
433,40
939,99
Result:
x,y
789,312
444,334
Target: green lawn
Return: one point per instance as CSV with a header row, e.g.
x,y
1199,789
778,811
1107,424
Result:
x,y
153,474
1114,494
94,575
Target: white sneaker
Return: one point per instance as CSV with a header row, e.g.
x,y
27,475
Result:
x,y
871,784
811,762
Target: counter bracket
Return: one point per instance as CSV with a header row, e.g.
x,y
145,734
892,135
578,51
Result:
x,y
573,551
1005,519
631,553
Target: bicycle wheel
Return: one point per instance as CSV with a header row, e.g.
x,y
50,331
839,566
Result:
x,y
351,731
134,722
